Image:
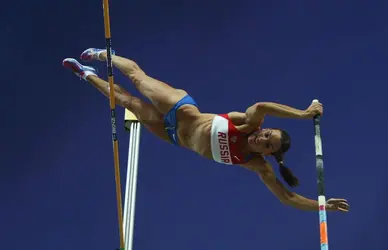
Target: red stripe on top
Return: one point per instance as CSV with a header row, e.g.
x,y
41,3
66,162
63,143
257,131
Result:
x,y
235,138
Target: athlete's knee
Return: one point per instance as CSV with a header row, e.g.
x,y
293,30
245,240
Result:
x,y
132,69
124,100
128,101
137,77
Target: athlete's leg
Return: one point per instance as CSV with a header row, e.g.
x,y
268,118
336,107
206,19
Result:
x,y
146,113
162,95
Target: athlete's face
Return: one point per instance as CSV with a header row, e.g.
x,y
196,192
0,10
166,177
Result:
x,y
265,141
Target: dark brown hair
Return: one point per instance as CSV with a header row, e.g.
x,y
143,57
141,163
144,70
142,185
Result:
x,y
285,172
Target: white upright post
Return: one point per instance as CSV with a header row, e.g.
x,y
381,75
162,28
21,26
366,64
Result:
x,y
133,126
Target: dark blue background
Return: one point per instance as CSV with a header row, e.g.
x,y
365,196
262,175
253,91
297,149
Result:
x,y
57,177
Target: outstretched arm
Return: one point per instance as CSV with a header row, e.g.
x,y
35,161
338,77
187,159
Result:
x,y
267,175
284,195
256,112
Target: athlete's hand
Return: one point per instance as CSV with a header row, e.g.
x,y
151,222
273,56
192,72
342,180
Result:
x,y
337,205
315,108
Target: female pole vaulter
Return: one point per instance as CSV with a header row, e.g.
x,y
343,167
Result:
x,y
234,138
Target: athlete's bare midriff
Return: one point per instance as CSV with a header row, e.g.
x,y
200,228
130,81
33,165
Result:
x,y
194,130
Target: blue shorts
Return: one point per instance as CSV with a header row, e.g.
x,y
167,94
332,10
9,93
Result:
x,y
170,121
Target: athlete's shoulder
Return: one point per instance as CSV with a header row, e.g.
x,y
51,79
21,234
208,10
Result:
x,y
236,115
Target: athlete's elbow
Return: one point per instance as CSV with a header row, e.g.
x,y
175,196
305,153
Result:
x,y
262,107
255,113
287,198
284,200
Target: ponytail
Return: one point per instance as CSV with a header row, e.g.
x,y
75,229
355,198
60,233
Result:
x,y
285,172
287,175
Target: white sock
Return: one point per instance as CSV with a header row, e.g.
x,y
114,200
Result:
x,y
88,73
98,54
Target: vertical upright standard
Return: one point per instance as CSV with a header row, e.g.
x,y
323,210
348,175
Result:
x,y
133,126
113,120
321,183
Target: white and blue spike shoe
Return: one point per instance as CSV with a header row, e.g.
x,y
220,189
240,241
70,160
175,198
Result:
x,y
93,54
79,69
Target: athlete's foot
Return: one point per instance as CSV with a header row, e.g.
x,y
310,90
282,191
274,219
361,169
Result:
x,y
79,69
94,54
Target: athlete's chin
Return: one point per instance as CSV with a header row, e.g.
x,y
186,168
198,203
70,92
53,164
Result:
x,y
253,147
251,140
